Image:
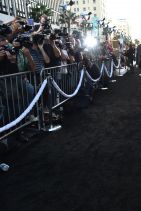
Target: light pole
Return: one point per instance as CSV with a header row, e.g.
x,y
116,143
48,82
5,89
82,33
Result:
x,y
67,15
85,23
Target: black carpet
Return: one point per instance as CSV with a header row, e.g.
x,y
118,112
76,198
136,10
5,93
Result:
x,y
92,164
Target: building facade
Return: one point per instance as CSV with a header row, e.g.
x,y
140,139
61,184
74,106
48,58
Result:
x,y
21,7
96,7
122,26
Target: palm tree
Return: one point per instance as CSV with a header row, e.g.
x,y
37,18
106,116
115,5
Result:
x,y
67,18
39,10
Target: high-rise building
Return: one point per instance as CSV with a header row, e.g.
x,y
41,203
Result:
x,y
21,7
96,7
122,26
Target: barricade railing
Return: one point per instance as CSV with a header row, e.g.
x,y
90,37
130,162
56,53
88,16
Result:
x,y
25,97
66,77
16,93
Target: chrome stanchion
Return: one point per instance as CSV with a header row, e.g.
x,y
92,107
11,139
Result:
x,y
119,71
113,80
102,82
51,127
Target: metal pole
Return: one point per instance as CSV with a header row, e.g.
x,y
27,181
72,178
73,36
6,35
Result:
x,y
26,8
51,127
7,6
14,8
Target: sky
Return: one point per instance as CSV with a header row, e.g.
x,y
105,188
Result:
x,y
131,10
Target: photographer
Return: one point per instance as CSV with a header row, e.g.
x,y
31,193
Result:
x,y
44,25
52,51
39,56
7,58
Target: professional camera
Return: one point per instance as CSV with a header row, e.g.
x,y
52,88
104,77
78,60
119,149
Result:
x,y
24,40
38,38
5,29
24,25
53,36
8,48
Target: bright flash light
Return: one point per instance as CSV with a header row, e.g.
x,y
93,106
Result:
x,y
90,42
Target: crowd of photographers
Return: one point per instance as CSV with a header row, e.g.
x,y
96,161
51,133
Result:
x,y
23,47
32,48
28,48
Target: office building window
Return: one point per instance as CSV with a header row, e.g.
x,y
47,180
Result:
x,y
84,2
94,8
94,1
84,8
74,9
77,9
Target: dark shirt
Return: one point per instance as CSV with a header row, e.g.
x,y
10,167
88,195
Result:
x,y
130,53
6,67
54,61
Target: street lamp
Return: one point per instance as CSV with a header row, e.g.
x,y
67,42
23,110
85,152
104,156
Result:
x,y
85,23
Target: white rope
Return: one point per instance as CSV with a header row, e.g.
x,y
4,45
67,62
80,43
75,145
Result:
x,y
111,70
29,108
96,80
119,63
75,92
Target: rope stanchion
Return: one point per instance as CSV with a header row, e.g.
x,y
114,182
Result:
x,y
119,63
75,92
29,108
98,79
119,67
111,71
50,127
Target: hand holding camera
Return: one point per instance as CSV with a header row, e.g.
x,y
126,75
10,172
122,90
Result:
x,y
10,57
2,53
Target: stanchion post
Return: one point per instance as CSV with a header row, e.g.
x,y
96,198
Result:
x,y
41,105
103,87
51,127
37,104
113,76
120,75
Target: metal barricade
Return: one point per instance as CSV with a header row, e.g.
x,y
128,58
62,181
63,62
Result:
x,y
66,77
16,93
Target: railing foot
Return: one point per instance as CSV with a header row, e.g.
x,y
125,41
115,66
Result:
x,y
52,128
104,88
113,81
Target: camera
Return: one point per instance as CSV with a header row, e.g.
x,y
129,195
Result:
x,y
46,27
8,48
53,36
5,29
24,25
24,40
38,38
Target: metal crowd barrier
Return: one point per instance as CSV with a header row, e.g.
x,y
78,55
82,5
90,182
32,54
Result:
x,y
16,93
66,76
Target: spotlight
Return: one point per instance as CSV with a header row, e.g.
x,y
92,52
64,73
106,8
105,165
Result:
x,y
90,41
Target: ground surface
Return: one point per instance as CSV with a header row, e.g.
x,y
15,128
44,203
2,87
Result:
x,y
92,164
